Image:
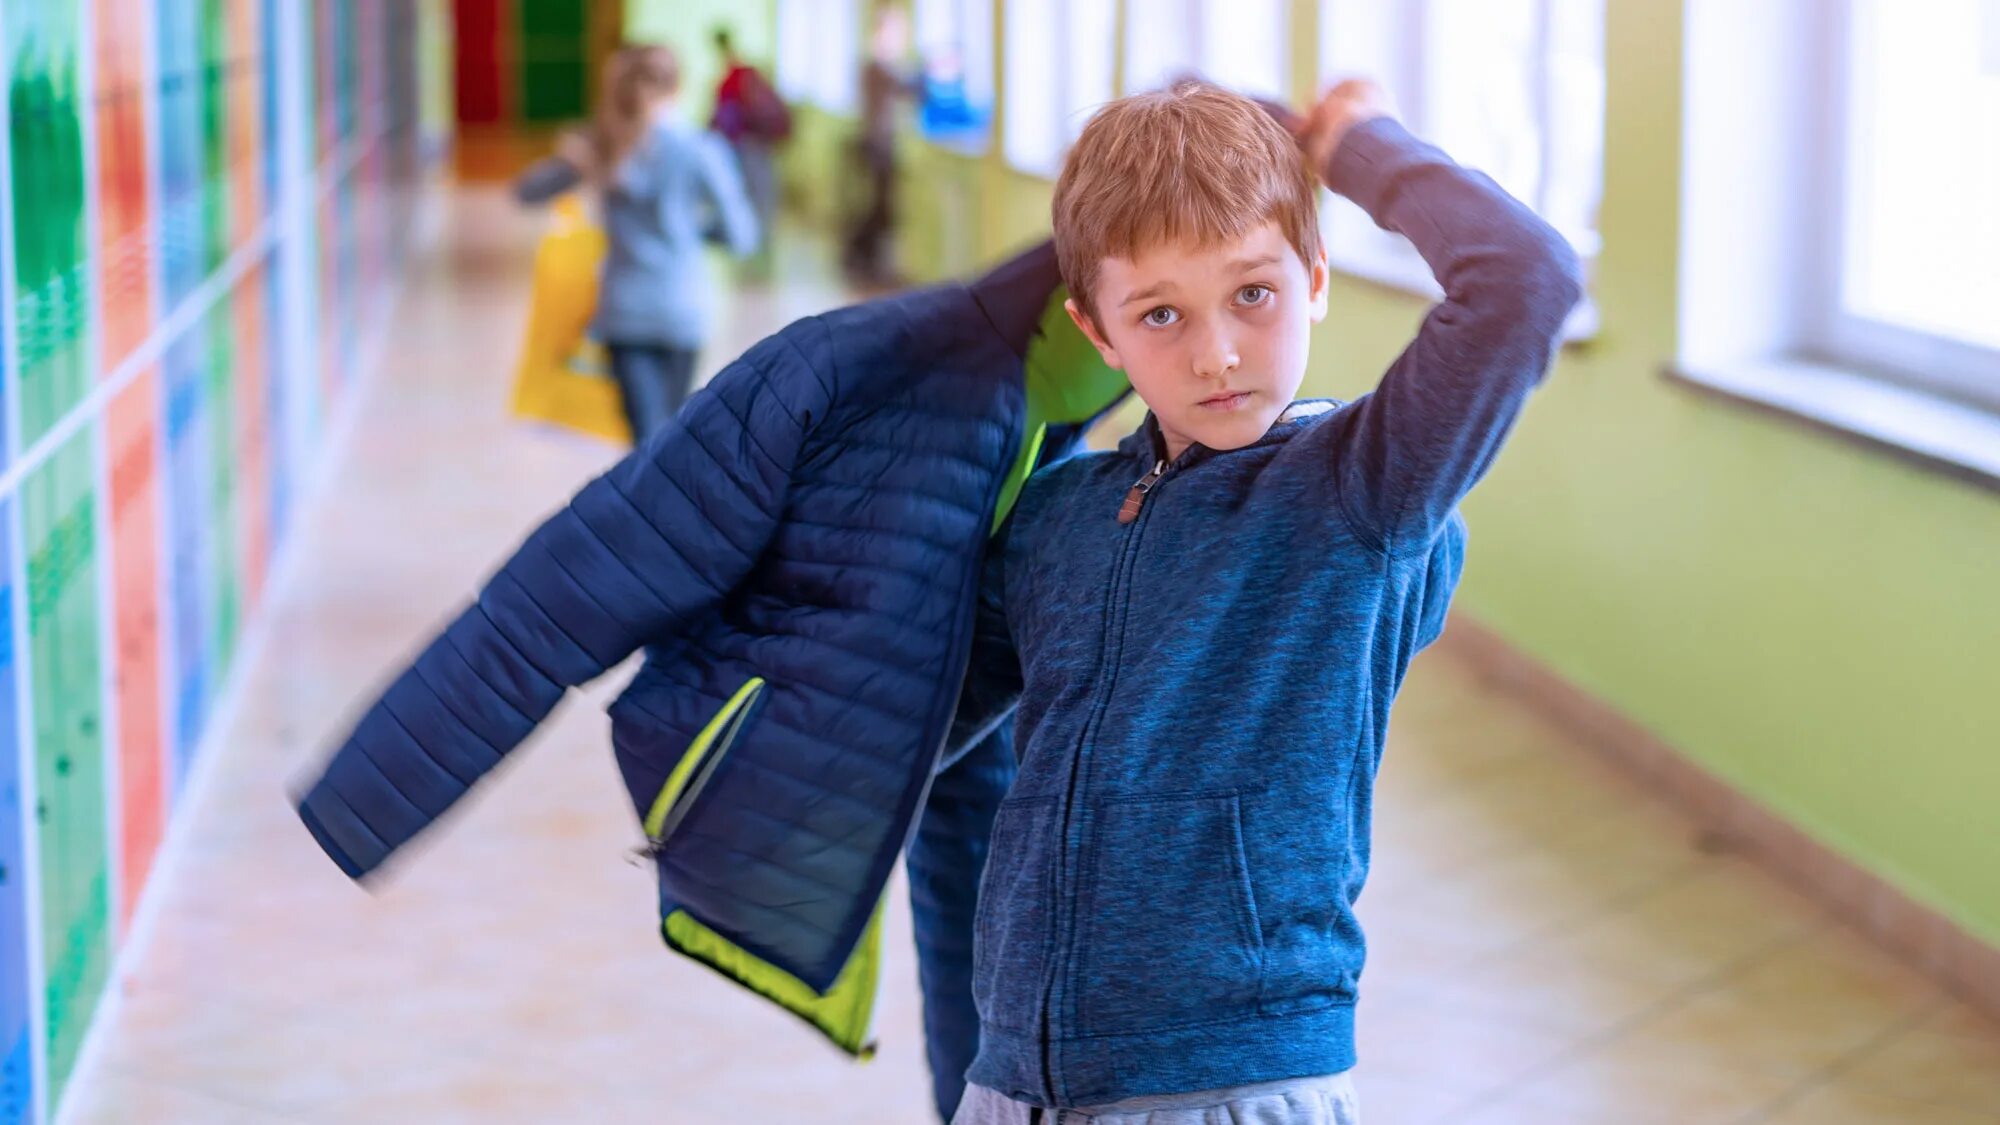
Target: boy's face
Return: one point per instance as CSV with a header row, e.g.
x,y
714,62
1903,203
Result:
x,y
1214,338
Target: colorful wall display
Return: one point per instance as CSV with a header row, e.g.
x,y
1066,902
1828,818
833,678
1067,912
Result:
x,y
202,205
530,60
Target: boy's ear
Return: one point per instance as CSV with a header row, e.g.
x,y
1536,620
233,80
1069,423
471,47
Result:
x,y
1089,329
1322,280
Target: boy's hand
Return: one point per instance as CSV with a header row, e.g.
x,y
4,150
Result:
x,y
1348,104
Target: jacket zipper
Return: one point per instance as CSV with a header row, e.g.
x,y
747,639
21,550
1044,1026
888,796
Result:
x,y
961,659
698,764
1121,574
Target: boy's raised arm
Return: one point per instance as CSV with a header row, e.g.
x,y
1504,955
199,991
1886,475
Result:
x,y
1412,448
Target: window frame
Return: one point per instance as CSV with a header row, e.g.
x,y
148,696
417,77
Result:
x,y
1070,115
1196,17
830,76
1926,362
1355,246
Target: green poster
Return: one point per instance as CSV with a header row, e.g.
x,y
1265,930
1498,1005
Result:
x,y
219,399
215,78
45,138
58,518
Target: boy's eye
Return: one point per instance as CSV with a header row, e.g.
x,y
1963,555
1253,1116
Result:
x,y
1253,294
1160,317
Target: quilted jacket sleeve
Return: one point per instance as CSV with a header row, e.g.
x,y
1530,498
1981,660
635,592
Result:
x,y
636,556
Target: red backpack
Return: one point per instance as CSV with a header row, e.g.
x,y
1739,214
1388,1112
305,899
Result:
x,y
765,115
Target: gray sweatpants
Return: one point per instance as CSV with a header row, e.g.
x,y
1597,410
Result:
x,y
1328,1100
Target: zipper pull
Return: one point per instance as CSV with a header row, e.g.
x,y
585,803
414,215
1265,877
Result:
x,y
1136,496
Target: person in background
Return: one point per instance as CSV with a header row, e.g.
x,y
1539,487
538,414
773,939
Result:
x,y
883,85
666,187
751,116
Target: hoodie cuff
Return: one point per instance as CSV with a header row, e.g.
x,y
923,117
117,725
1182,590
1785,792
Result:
x,y
1369,159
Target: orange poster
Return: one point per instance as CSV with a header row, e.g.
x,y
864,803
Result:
x,y
125,252
130,439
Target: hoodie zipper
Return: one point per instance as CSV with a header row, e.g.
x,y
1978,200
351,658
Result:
x,y
1129,514
1135,497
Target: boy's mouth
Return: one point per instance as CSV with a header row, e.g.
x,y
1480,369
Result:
x,y
1226,401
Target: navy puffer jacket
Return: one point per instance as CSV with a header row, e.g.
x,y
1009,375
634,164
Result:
x,y
798,554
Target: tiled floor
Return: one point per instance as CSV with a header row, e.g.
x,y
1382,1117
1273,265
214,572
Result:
x,y
1549,944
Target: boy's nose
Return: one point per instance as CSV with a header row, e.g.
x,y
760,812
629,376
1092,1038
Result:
x,y
1216,357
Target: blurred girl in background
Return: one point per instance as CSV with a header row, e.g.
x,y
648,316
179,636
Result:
x,y
665,188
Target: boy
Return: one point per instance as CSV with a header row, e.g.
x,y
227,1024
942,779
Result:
x,y
1210,623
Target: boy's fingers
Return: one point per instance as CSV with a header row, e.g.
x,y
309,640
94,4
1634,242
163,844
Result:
x,y
1283,114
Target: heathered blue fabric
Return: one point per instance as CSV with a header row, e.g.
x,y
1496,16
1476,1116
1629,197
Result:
x,y
1168,905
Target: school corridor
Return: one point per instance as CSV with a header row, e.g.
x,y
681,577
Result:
x,y
1691,818
1551,943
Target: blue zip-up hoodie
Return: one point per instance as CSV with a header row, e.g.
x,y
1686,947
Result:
x,y
1168,905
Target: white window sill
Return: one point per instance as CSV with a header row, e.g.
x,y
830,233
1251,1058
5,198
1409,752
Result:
x,y
1406,272
1935,432
1034,171
971,143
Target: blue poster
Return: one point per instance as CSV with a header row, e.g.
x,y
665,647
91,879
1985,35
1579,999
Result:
x,y
267,48
17,1068
187,513
180,152
278,450
16,1043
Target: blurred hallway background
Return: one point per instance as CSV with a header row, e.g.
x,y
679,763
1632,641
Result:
x,y
1690,818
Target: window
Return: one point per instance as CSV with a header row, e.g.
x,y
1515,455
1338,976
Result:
x,y
955,41
1059,60
1918,291
1241,44
819,53
1514,88
1839,159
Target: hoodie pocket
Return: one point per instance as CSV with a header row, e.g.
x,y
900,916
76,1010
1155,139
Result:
x,y
698,765
1010,948
1168,935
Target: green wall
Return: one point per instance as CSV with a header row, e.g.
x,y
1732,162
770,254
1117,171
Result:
x,y
1811,621
689,27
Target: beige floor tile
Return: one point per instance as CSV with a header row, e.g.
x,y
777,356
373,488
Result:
x,y
1733,1029
1963,1020
1924,1065
1549,992
1839,1104
1692,928
1833,971
1455,1052
1508,1109
1393,1097
116,1098
1628,1083
276,1061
